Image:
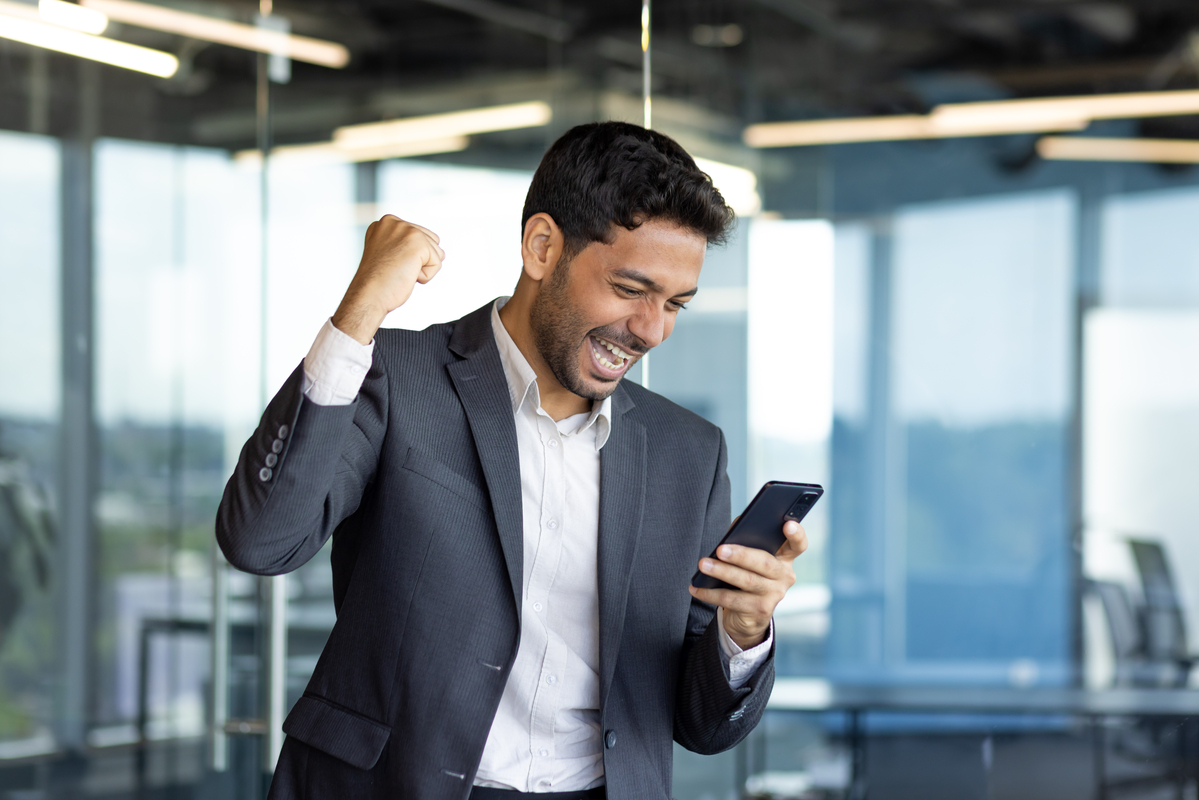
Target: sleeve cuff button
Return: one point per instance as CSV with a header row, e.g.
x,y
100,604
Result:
x,y
283,431
264,474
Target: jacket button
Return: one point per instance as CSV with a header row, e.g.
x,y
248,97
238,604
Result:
x,y
610,739
271,459
283,431
277,446
264,474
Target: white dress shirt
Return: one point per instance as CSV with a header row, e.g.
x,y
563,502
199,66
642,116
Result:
x,y
546,735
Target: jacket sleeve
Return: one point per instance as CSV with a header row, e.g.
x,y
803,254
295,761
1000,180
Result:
x,y
301,473
710,716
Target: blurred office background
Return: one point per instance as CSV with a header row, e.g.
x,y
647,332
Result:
x,y
985,346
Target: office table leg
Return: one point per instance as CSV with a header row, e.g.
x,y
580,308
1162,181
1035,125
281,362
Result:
x,y
1099,746
857,757
741,767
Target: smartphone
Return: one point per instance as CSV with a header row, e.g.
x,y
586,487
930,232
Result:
x,y
761,524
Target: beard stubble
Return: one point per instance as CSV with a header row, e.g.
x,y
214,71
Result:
x,y
558,332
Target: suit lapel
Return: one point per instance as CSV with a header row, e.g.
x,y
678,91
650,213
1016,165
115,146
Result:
x,y
483,390
622,499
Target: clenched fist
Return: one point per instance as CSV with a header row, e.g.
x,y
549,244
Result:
x,y
397,256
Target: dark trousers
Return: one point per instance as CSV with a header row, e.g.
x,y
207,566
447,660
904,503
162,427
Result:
x,y
483,793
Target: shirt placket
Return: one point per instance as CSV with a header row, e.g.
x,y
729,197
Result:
x,y
546,700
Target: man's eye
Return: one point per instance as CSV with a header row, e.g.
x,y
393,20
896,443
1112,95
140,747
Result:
x,y
677,305
629,292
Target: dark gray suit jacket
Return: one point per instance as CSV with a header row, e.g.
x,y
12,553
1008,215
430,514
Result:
x,y
418,482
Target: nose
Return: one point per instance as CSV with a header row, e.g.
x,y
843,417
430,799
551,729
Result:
x,y
651,325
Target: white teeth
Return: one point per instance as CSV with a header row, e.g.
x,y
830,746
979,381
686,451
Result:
x,y
614,349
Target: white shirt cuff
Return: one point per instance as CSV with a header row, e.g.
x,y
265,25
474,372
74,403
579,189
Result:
x,y
335,367
742,663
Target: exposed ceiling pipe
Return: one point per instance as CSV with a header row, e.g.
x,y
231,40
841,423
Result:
x,y
555,30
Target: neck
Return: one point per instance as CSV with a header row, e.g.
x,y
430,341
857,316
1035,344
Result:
x,y
557,401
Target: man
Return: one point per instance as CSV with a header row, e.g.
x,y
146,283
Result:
x,y
514,528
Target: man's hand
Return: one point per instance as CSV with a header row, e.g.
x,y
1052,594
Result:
x,y
761,580
397,256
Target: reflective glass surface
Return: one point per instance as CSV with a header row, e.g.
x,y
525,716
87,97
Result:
x,y
29,455
986,356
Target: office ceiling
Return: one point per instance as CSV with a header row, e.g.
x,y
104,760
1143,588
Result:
x,y
718,64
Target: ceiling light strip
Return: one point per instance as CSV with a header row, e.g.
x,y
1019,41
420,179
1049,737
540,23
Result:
x,y
211,29
71,15
989,118
1102,106
83,45
1088,148
331,151
441,126
898,128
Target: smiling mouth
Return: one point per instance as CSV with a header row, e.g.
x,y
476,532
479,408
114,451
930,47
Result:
x,y
609,355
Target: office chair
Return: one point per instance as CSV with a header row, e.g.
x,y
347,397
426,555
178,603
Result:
x,y
1123,628
1163,622
1153,750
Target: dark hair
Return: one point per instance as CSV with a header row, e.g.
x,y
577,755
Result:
x,y
614,173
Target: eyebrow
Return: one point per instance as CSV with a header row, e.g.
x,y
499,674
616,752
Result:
x,y
650,283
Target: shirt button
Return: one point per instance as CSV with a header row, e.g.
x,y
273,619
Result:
x,y
552,524
544,754
551,679
553,442
537,606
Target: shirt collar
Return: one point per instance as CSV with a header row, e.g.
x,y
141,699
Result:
x,y
522,382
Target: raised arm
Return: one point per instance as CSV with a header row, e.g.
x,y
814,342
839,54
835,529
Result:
x,y
315,450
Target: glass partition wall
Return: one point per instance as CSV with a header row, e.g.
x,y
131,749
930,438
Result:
x,y
985,365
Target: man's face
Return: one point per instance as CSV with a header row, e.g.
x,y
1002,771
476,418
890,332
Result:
x,y
599,313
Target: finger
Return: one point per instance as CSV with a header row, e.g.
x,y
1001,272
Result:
x,y
731,600
427,272
750,558
432,265
744,579
797,541
436,239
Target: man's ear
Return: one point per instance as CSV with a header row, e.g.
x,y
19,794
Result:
x,y
541,247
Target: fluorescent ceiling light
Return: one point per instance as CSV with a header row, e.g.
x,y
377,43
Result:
x,y
441,126
1087,148
211,29
738,186
828,131
72,15
96,48
335,152
1088,107
902,127
977,119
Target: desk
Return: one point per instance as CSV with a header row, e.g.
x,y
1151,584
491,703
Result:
x,y
815,695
